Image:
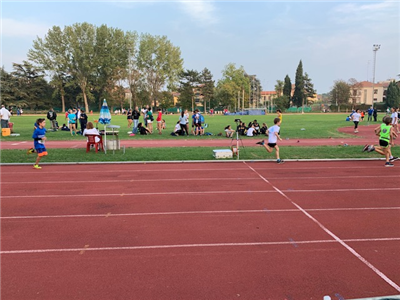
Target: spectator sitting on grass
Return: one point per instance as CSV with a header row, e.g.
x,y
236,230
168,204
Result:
x,y
178,129
264,128
251,131
241,128
229,131
143,130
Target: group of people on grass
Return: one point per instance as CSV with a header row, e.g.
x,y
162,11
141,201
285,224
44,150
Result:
x,y
182,125
145,127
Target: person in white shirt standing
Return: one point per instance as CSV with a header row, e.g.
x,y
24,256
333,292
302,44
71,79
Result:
x,y
5,116
355,117
395,119
273,137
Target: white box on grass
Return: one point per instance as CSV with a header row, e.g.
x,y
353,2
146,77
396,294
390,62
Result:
x,y
223,153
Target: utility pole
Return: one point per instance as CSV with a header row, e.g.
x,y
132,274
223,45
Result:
x,y
375,49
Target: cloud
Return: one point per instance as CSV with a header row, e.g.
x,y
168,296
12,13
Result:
x,y
371,12
15,28
202,11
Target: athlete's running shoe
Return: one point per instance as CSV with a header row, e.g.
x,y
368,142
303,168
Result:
x,y
260,143
365,148
280,161
371,148
389,164
393,158
30,151
36,167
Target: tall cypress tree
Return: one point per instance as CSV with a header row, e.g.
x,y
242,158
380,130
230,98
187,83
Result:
x,y
287,87
298,96
393,95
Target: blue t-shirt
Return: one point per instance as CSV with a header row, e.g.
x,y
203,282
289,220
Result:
x,y
72,118
37,135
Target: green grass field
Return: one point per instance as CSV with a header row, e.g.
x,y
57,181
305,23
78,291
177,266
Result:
x,y
315,125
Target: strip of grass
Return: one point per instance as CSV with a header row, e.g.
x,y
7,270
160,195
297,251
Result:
x,y
187,154
293,126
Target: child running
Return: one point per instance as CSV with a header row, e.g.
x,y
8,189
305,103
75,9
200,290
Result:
x,y
386,134
273,136
39,138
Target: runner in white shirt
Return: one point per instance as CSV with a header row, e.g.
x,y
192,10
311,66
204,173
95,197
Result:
x,y
355,117
273,137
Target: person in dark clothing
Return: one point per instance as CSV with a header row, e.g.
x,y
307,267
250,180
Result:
x,y
83,120
375,114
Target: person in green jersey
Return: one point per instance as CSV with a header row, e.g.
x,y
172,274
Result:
x,y
386,134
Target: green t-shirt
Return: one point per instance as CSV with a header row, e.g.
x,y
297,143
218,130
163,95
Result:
x,y
385,132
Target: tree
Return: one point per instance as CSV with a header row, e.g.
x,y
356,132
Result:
x,y
188,80
279,87
309,91
133,71
208,88
110,61
50,54
287,87
234,82
393,95
166,100
80,41
298,95
160,63
282,102
340,93
31,86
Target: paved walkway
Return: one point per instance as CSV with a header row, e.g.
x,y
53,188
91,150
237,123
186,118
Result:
x,y
365,135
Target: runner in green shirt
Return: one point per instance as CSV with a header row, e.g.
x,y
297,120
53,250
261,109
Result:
x,y
386,134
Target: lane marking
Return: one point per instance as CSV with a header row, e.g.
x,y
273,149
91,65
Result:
x,y
84,249
133,180
138,194
179,168
179,246
201,193
335,237
216,212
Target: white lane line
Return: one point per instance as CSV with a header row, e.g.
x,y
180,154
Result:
x,y
131,180
351,250
189,246
251,211
198,193
137,194
194,178
179,169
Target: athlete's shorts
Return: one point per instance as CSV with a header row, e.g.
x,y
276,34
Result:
x,y
272,145
383,143
41,151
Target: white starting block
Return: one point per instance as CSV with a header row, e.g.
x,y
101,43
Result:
x,y
223,153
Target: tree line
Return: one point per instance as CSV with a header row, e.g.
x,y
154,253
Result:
x,y
82,64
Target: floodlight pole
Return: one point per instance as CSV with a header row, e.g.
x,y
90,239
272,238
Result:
x,y
375,49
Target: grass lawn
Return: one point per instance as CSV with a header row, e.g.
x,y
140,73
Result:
x,y
315,125
300,126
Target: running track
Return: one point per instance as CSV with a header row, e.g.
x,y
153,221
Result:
x,y
240,230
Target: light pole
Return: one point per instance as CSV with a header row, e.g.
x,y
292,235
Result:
x,y
375,49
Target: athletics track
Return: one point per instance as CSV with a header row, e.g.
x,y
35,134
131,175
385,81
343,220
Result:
x,y
221,230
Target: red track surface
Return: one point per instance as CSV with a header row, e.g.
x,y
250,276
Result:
x,y
365,135
200,231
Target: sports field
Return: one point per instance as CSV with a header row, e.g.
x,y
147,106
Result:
x,y
236,229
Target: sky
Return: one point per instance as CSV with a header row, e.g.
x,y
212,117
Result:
x,y
334,40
